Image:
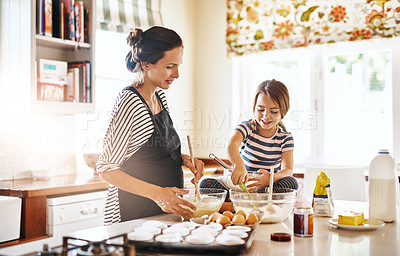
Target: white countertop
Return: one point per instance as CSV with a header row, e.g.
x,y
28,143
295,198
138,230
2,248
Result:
x,y
326,241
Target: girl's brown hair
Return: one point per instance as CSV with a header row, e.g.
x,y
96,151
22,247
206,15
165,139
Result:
x,y
278,92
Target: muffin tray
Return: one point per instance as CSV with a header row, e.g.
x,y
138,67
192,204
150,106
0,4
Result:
x,y
184,246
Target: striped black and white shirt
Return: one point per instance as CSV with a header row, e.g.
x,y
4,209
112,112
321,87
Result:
x,y
259,152
129,128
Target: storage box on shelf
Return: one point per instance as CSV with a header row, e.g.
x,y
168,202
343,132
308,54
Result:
x,y
50,47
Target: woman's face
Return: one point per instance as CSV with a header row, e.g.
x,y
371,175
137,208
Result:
x,y
165,71
267,113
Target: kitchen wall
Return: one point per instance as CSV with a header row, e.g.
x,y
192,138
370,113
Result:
x,y
179,15
28,142
203,111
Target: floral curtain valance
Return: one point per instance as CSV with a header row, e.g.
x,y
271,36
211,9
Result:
x,y
262,25
123,15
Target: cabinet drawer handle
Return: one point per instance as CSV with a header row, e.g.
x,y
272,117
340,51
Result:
x,y
88,211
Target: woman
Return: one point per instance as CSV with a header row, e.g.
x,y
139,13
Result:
x,y
141,157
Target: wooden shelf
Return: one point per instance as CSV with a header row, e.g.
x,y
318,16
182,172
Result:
x,y
59,43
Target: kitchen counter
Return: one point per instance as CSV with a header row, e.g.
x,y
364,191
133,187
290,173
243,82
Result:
x,y
51,186
327,240
34,193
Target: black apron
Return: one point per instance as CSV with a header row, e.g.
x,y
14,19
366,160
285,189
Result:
x,y
157,162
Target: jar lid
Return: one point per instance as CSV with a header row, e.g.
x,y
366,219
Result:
x,y
281,237
303,207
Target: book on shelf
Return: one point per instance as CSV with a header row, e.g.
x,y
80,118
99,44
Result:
x,y
48,20
66,19
62,81
39,17
88,83
62,20
72,20
79,21
84,80
66,14
57,18
72,91
86,26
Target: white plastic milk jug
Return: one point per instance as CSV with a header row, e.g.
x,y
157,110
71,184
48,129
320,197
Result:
x,y
383,187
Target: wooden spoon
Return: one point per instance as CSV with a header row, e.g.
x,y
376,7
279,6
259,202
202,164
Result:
x,y
196,186
270,207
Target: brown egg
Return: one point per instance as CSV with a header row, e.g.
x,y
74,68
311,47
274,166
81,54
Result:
x,y
251,219
241,212
224,220
228,214
238,219
214,216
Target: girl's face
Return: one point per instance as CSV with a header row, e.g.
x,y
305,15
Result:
x,y
267,114
165,71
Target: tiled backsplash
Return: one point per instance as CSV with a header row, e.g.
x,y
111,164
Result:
x,y
43,143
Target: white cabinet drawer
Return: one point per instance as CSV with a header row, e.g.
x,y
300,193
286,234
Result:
x,y
76,208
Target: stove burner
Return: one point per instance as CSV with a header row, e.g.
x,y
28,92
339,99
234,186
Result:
x,y
98,248
46,251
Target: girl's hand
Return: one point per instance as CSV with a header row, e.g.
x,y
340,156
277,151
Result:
x,y
239,174
261,181
197,169
168,201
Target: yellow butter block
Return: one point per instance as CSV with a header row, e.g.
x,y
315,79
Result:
x,y
351,218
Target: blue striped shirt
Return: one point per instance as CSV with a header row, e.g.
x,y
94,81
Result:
x,y
259,152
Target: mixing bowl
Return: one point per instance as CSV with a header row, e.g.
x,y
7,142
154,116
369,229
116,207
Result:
x,y
227,181
211,200
283,201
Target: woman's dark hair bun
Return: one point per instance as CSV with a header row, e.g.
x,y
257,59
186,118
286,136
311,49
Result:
x,y
130,63
134,37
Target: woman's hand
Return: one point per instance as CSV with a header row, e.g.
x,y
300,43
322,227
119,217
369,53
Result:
x,y
261,181
168,201
197,169
239,174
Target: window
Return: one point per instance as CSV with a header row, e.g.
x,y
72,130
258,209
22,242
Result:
x,y
111,77
341,98
295,74
357,105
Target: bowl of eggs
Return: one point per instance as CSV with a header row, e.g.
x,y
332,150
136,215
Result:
x,y
211,200
282,204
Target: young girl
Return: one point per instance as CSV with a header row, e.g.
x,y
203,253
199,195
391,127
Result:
x,y
261,143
